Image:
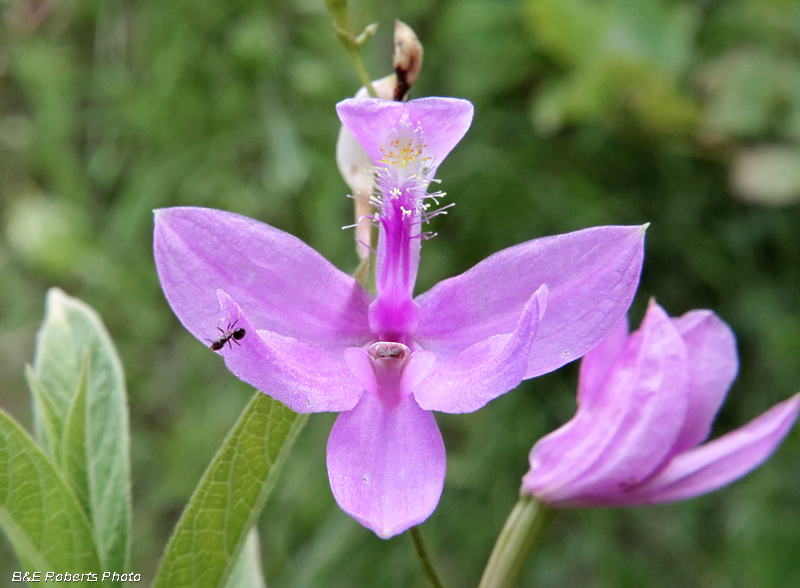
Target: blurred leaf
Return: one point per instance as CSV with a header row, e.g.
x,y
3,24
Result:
x,y
549,108
287,171
741,93
483,51
571,30
622,57
247,572
793,90
50,77
81,397
48,233
204,548
768,174
38,511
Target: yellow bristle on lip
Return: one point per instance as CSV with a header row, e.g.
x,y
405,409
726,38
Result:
x,y
402,155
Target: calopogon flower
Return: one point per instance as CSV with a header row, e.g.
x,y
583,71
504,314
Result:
x,y
646,403
317,341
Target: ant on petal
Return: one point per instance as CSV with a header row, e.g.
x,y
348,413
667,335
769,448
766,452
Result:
x,y
228,335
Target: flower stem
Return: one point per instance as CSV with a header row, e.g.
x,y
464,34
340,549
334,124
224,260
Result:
x,y
343,25
424,559
515,544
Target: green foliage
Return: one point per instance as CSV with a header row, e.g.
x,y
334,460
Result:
x,y
81,414
214,527
622,54
67,508
642,64
38,510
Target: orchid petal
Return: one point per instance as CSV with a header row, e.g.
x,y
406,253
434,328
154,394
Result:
x,y
297,374
353,161
627,432
386,468
597,363
713,364
487,369
592,276
723,460
360,365
282,284
418,367
443,120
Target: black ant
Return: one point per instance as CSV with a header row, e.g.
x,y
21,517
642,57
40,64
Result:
x,y
228,335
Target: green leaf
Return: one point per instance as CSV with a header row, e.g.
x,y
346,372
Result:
x,y
247,573
46,414
38,511
81,418
73,446
212,530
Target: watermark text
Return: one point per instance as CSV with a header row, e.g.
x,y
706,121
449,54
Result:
x,y
67,577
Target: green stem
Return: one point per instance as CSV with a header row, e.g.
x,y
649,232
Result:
x,y
361,70
515,544
343,25
424,559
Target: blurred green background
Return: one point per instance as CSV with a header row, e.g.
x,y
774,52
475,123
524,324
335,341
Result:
x,y
685,114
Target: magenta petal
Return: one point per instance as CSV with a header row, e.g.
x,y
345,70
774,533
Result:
x,y
443,120
627,431
282,284
485,370
418,367
386,468
297,374
596,364
360,365
723,460
713,364
592,276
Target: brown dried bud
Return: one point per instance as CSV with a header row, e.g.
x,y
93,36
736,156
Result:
x,y
407,58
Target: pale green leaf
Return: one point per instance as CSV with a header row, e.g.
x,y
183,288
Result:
x,y
247,573
38,511
46,415
98,464
73,446
212,530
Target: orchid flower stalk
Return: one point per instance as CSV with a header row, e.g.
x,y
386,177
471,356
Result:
x,y
646,402
317,341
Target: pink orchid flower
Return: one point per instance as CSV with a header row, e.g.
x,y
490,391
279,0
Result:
x,y
317,341
645,403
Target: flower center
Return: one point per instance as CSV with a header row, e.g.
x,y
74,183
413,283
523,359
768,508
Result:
x,y
388,370
406,151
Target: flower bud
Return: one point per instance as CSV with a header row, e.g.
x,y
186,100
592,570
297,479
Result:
x,y
407,58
